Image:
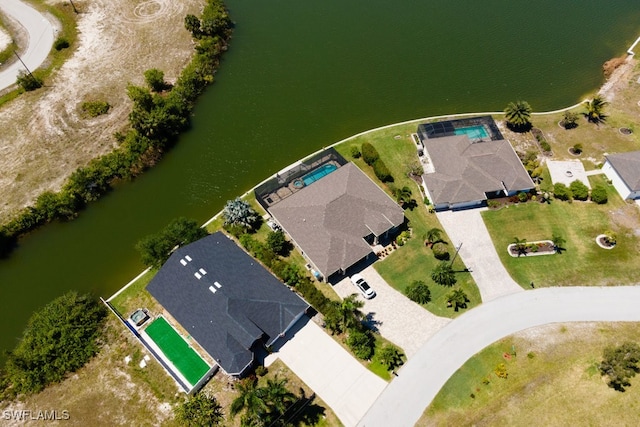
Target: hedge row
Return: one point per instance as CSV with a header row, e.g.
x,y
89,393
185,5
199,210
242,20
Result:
x,y
156,120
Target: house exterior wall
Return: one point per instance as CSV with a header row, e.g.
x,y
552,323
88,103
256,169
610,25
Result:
x,y
622,189
466,205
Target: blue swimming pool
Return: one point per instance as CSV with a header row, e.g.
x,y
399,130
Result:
x,y
316,174
473,132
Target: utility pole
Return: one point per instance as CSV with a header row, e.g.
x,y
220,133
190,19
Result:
x,y
74,6
456,254
23,64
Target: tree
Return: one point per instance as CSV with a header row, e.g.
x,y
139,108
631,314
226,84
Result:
x,y
443,274
599,194
561,191
418,291
520,245
28,81
249,401
200,410
156,248
350,316
595,109
239,212
458,298
361,343
569,120
277,397
381,171
558,242
390,356
402,195
579,190
369,153
155,80
192,24
433,235
620,364
518,116
278,243
60,338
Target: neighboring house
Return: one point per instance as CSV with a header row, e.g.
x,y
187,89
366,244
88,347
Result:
x,y
335,220
468,162
623,169
226,300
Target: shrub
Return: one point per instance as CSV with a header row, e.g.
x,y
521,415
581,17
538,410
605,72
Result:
x,y
278,243
620,364
418,291
501,371
355,152
382,172
156,248
240,212
60,43
561,191
545,146
361,343
369,153
577,149
95,108
28,81
579,190
427,201
155,80
523,197
599,194
440,251
261,371
569,120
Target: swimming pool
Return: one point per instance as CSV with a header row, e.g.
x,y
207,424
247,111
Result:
x,y
316,174
473,132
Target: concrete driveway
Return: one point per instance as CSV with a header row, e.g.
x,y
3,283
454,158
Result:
x,y
408,395
399,319
40,33
340,380
478,252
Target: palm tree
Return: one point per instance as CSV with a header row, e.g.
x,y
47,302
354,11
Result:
x,y
277,397
390,356
250,401
459,298
520,246
443,274
595,109
350,314
558,241
433,235
518,116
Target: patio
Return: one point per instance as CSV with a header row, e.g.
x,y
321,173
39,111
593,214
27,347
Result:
x,y
567,171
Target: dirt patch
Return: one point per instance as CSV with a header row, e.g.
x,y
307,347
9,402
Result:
x,y
45,137
611,65
618,74
5,39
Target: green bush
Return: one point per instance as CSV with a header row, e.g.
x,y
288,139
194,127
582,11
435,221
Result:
x,y
361,343
440,251
523,197
418,291
579,190
278,243
561,191
381,171
60,338
28,81
155,80
355,152
155,249
369,153
261,371
599,194
95,108
60,43
545,146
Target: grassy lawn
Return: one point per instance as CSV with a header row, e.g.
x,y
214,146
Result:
x,y
553,379
583,262
413,261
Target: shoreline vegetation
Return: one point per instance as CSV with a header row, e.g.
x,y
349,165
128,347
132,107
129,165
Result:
x,y
160,113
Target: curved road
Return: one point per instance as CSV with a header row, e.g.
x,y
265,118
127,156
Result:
x,y
41,35
404,400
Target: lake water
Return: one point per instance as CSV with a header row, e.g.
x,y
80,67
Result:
x,y
301,75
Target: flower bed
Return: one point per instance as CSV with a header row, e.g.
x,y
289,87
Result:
x,y
542,247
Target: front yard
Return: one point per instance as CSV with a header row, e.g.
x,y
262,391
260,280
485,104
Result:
x,y
582,262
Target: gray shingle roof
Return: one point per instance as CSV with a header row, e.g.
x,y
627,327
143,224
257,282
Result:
x,y
628,167
330,218
249,303
466,171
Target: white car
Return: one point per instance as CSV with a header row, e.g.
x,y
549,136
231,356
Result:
x,y
364,288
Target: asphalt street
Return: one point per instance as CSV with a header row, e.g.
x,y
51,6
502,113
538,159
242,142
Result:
x,y
41,35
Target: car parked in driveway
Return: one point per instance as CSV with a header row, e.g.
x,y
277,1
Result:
x,y
362,285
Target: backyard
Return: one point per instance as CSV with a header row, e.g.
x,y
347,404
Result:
x,y
581,261
552,377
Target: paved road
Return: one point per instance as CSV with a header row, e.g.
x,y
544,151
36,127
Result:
x,y
332,373
406,397
397,315
478,252
41,35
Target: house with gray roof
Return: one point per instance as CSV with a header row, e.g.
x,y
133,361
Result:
x,y
463,171
623,169
226,300
335,220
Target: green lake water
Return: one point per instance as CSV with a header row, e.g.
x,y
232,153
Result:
x,y
301,75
